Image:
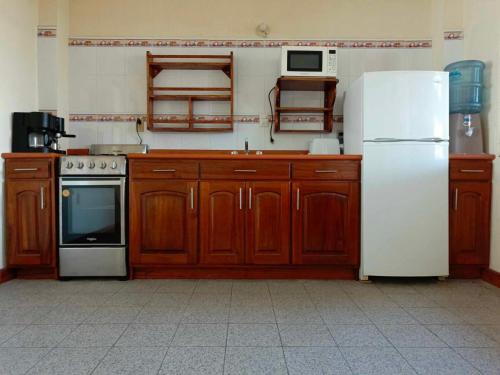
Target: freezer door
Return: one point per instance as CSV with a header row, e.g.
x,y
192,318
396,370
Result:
x,y
406,105
404,209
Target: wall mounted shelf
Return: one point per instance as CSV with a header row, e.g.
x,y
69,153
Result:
x,y
159,63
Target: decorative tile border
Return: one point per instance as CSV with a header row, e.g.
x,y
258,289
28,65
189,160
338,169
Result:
x,y
454,35
232,43
243,119
47,32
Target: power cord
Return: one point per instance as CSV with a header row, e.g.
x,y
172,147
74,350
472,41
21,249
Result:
x,y
271,123
138,122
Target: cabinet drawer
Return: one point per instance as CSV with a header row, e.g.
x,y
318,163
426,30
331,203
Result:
x,y
164,169
245,170
471,170
28,168
325,170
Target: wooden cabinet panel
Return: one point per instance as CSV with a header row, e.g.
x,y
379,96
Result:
x,y
30,222
325,223
245,170
326,170
268,223
28,168
222,220
469,222
163,222
471,170
164,169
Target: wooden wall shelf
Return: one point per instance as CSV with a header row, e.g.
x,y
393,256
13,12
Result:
x,y
326,84
158,63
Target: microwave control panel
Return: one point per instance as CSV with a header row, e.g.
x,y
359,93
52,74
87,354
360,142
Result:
x,y
331,64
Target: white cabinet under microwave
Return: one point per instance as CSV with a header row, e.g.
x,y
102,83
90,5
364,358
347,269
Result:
x,y
308,61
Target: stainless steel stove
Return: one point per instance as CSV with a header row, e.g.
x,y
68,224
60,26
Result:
x,y
92,212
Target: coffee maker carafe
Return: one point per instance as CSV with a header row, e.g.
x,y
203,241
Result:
x,y
37,132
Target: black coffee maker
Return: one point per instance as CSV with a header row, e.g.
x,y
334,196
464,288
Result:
x,y
37,132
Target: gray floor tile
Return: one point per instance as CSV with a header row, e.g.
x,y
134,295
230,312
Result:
x,y
434,315
131,361
104,286
412,300
169,300
160,315
286,287
214,287
64,361
486,360
492,331
16,361
250,287
23,314
40,336
411,336
305,335
442,361
177,286
252,314
142,335
88,299
357,335
297,314
462,336
253,335
9,330
67,315
130,299
140,286
344,316
395,315
375,302
478,315
113,314
193,361
208,314
90,335
200,335
258,361
376,361
315,361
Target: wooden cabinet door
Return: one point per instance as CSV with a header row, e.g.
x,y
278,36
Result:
x,y
222,220
469,222
163,222
268,223
30,223
325,223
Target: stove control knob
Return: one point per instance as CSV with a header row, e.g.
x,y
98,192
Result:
x,y
114,165
91,164
103,165
80,165
69,165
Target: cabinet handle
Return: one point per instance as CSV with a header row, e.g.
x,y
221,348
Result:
x,y
245,170
326,171
241,197
298,199
42,198
455,203
164,170
250,198
25,169
192,198
472,170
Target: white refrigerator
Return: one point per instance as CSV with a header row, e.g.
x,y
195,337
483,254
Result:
x,y
399,122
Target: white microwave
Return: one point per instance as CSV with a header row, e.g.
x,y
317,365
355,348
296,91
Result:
x,y
309,61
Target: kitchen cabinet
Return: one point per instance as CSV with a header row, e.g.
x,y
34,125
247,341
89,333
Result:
x,y
470,212
163,221
30,216
325,222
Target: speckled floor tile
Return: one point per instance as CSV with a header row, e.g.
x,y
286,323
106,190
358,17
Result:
x,y
16,361
357,335
442,361
23,314
492,331
253,335
250,287
89,335
113,314
88,299
412,300
130,299
169,300
486,360
315,361
214,287
305,335
160,315
410,336
131,361
177,286
209,314
395,315
67,315
140,286
258,361
142,335
193,361
462,336
251,314
478,315
64,361
434,315
344,316
200,335
376,361
40,336
297,314
9,330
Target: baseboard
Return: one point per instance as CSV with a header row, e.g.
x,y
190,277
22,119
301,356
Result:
x,y
492,277
469,271
5,275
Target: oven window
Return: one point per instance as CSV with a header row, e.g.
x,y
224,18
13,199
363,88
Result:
x,y
305,61
91,214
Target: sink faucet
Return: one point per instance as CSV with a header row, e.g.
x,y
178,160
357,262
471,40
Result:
x,y
246,146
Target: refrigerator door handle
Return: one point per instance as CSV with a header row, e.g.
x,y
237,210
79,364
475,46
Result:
x,y
385,140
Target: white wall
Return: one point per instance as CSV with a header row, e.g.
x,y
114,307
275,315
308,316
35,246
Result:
x,y
18,72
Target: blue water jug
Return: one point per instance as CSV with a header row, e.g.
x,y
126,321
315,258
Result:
x,y
466,86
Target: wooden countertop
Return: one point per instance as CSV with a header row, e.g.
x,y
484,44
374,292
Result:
x,y
30,155
472,157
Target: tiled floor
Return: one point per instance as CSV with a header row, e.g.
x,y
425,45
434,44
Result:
x,y
249,327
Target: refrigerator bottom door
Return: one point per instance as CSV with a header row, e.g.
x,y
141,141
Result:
x,y
404,209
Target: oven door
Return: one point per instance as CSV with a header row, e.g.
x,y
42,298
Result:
x,y
92,211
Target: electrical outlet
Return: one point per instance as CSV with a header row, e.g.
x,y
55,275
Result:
x,y
263,120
